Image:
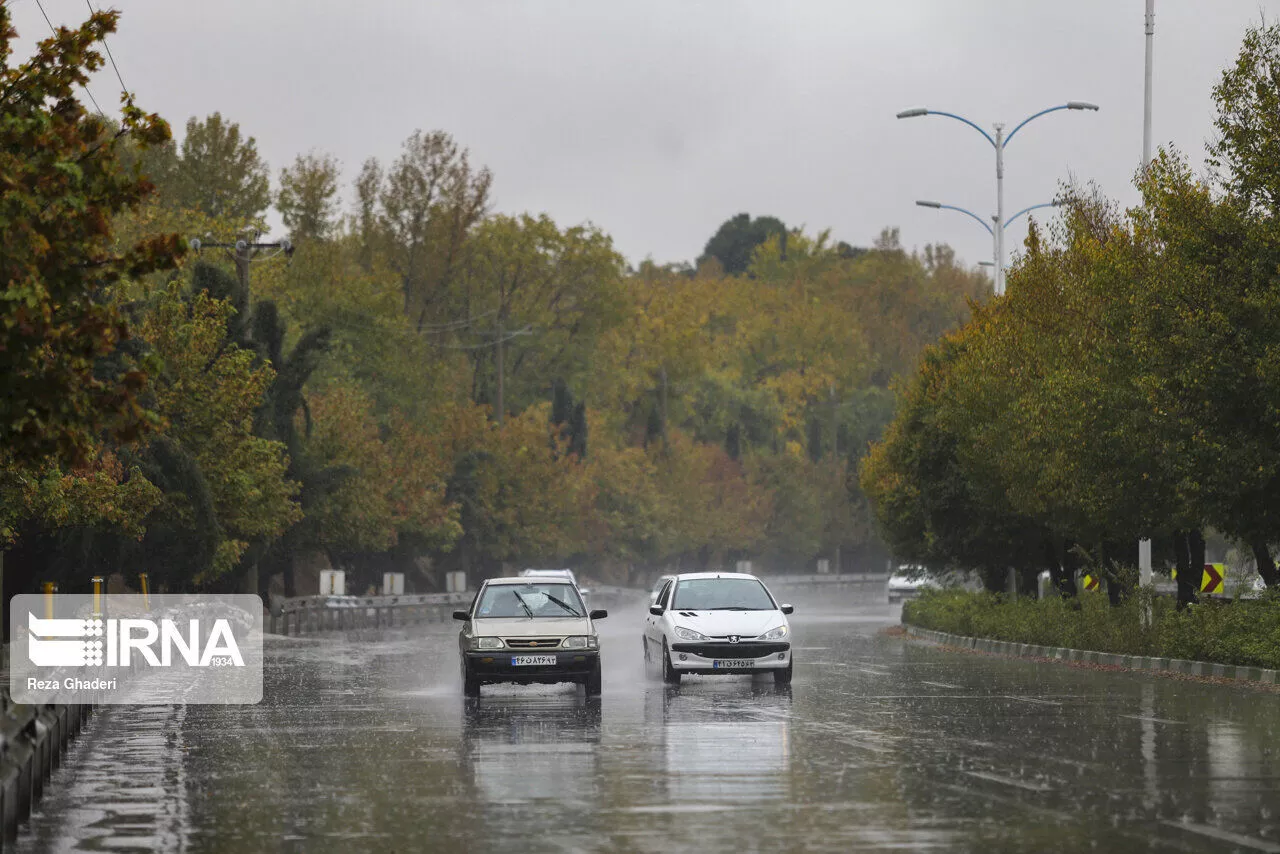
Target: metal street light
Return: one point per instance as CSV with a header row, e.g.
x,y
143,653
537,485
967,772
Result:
x,y
998,142
996,251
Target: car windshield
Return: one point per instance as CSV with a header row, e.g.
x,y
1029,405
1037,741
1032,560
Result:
x,y
534,599
722,594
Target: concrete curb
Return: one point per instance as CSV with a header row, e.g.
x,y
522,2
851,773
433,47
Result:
x,y
1239,673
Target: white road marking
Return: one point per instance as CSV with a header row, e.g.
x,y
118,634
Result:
x,y
1226,836
1010,781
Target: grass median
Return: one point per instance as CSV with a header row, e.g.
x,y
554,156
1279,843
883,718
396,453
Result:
x,y
1242,632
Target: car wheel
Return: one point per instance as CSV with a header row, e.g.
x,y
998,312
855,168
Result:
x,y
592,682
782,676
669,674
470,682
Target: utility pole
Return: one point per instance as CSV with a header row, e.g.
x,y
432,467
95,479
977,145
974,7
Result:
x,y
835,463
501,373
999,219
1149,31
242,253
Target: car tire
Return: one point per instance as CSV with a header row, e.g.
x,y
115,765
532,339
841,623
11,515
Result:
x,y
592,682
470,682
782,676
669,674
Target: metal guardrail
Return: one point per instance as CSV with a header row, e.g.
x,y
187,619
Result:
x,y
33,740
841,578
310,614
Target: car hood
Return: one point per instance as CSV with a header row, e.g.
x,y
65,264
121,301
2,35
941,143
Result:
x,y
526,627
748,624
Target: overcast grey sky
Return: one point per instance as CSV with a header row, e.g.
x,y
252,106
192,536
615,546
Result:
x,y
657,120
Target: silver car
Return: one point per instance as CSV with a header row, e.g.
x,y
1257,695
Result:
x,y
533,630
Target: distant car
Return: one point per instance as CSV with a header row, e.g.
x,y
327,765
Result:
x,y
718,623
904,586
555,573
657,587
526,630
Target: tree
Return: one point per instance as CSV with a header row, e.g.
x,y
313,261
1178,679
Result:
x,y
737,238
216,171
64,183
420,213
308,197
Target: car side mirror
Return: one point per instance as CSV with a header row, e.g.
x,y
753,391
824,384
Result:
x,y
461,615
599,614
788,609
656,610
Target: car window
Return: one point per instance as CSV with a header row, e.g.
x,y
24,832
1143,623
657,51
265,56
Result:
x,y
666,592
722,594
553,599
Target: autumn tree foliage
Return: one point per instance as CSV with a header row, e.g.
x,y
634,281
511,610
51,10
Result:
x,y
63,184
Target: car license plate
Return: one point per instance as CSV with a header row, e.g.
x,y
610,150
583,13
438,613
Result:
x,y
732,662
523,660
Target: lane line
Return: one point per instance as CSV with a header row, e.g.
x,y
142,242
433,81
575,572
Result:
x,y
1225,836
1010,781
1153,720
1032,700
939,684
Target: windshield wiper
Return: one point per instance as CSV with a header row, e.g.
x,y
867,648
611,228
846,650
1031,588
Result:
x,y
523,604
568,608
735,608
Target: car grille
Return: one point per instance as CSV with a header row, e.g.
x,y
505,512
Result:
x,y
731,650
533,643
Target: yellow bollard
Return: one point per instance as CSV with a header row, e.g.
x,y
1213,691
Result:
x,y
146,592
97,595
49,589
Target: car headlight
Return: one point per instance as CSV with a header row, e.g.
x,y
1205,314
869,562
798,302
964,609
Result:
x,y
577,642
775,634
689,634
488,643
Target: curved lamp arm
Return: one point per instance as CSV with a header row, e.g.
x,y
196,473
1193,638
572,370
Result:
x,y
1032,208
1070,105
922,111
941,206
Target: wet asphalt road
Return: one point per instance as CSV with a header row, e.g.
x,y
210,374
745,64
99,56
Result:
x,y
880,744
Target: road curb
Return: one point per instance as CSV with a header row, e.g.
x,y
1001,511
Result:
x,y
1239,673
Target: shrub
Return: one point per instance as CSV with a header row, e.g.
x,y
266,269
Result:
x,y
1244,632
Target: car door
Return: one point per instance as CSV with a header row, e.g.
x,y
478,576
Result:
x,y
653,624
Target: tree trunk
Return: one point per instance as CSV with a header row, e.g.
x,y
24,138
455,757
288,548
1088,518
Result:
x,y
1266,563
1188,586
1057,566
1070,566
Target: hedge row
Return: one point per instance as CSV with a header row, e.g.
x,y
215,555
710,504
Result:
x,y
1242,632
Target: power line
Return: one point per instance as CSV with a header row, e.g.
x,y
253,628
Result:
x,y
123,88
54,30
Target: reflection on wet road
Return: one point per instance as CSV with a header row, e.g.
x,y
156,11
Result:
x,y
880,744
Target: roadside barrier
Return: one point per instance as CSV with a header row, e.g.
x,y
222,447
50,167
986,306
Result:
x,y
1240,673
33,740
311,614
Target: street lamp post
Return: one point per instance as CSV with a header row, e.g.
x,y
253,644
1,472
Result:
x,y
997,237
998,142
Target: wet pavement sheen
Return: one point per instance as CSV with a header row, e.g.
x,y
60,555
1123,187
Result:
x,y
366,744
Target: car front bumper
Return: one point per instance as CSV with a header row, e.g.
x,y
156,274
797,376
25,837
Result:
x,y
496,666
710,658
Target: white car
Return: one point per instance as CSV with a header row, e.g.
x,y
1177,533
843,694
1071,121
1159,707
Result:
x,y
555,573
657,587
718,622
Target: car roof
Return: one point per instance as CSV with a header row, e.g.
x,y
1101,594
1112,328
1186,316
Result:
x,y
562,573
528,579
688,576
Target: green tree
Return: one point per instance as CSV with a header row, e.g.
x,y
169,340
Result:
x,y
308,197
737,238
216,170
64,183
